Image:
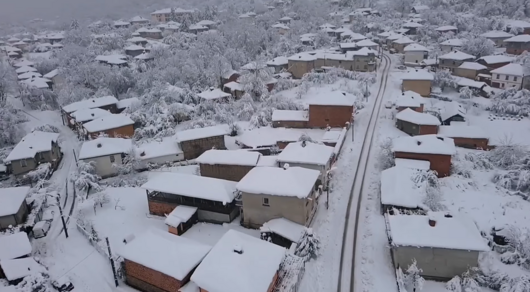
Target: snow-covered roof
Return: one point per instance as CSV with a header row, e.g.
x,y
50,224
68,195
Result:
x,y
144,56
37,82
253,66
29,75
229,74
158,148
11,199
306,153
121,23
450,233
290,182
419,8
189,287
409,99
399,189
518,23
348,45
179,257
446,28
496,34
213,93
32,144
193,186
509,69
232,85
366,43
417,75
457,55
463,82
289,115
451,109
413,163
104,146
404,40
23,63
25,69
13,39
353,35
285,228
51,74
177,10
424,144
453,43
335,98
463,131
108,122
522,38
138,19
197,27
181,214
229,157
280,25
327,25
414,117
206,22
496,59
13,246
278,61
472,66
134,48
115,59
364,51
125,103
331,136
137,39
239,263
412,24
15,269
304,57
201,133
89,114
90,103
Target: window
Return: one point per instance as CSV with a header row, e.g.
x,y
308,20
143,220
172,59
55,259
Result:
x,y
506,78
23,163
112,159
265,202
498,76
514,78
365,67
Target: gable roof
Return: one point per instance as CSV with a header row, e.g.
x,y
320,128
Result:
x,y
108,122
33,143
417,75
89,114
335,98
510,69
399,189
463,131
446,28
224,270
522,38
104,146
424,144
415,48
451,109
90,103
472,66
229,157
496,59
453,42
201,133
414,117
13,246
457,55
213,93
306,153
11,199
496,34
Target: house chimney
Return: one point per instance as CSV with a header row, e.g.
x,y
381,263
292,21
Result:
x,y
238,249
93,100
303,143
99,145
92,114
418,142
403,93
285,166
432,222
447,215
211,88
143,153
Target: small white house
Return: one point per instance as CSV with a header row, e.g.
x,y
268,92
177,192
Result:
x,y
105,152
451,45
415,53
165,150
508,76
400,190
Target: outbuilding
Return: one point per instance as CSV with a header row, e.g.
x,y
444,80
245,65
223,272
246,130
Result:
x,y
470,70
230,165
472,137
290,119
401,190
114,126
333,110
13,207
410,100
195,142
415,123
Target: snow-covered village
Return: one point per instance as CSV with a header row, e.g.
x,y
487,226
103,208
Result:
x,y
265,146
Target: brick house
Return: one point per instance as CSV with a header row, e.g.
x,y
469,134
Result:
x,y
453,60
518,44
195,142
410,99
159,261
14,208
495,61
290,119
433,148
419,81
230,165
497,36
415,123
334,110
213,198
470,70
471,137
84,116
522,26
400,44
234,260
114,126
108,103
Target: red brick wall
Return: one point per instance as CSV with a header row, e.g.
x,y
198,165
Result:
x,y
151,277
321,116
426,130
273,283
227,172
160,208
439,163
472,143
173,230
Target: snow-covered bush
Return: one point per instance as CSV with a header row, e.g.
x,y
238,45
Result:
x,y
309,246
36,282
443,79
46,128
413,280
466,93
478,46
8,80
386,156
512,102
135,180
508,155
41,172
517,239
85,177
10,125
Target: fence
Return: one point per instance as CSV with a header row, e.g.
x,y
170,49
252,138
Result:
x,y
290,274
340,142
93,240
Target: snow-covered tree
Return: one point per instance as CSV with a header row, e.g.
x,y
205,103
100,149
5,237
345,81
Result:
x,y
402,6
309,246
255,83
512,102
36,282
466,93
41,172
10,125
454,285
478,46
413,279
8,80
101,198
86,178
443,79
400,278
386,156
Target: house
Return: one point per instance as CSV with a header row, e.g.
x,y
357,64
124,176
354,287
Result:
x,y
13,207
55,38
239,262
415,123
230,165
210,24
334,110
470,70
235,89
366,43
195,28
363,60
37,83
126,103
14,246
213,198
409,99
415,53
15,270
347,34
181,219
292,195
308,155
139,20
54,76
452,112
451,45
283,232
24,63
465,136
412,27
419,81
214,94
134,50
400,44
518,27
495,61
401,190
115,126
229,76
497,36
113,60
139,41
518,44
508,76
443,245
29,75
160,261
195,142
281,28
346,47
107,103
170,14
34,149
121,24
105,153
290,119
285,20
419,8
301,63
159,151
453,60
83,116
433,148
279,64
392,37
150,33
446,29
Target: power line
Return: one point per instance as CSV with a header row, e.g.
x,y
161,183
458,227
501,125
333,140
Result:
x,y
77,264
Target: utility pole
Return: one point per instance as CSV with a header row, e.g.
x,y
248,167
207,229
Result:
x,y
112,263
62,217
